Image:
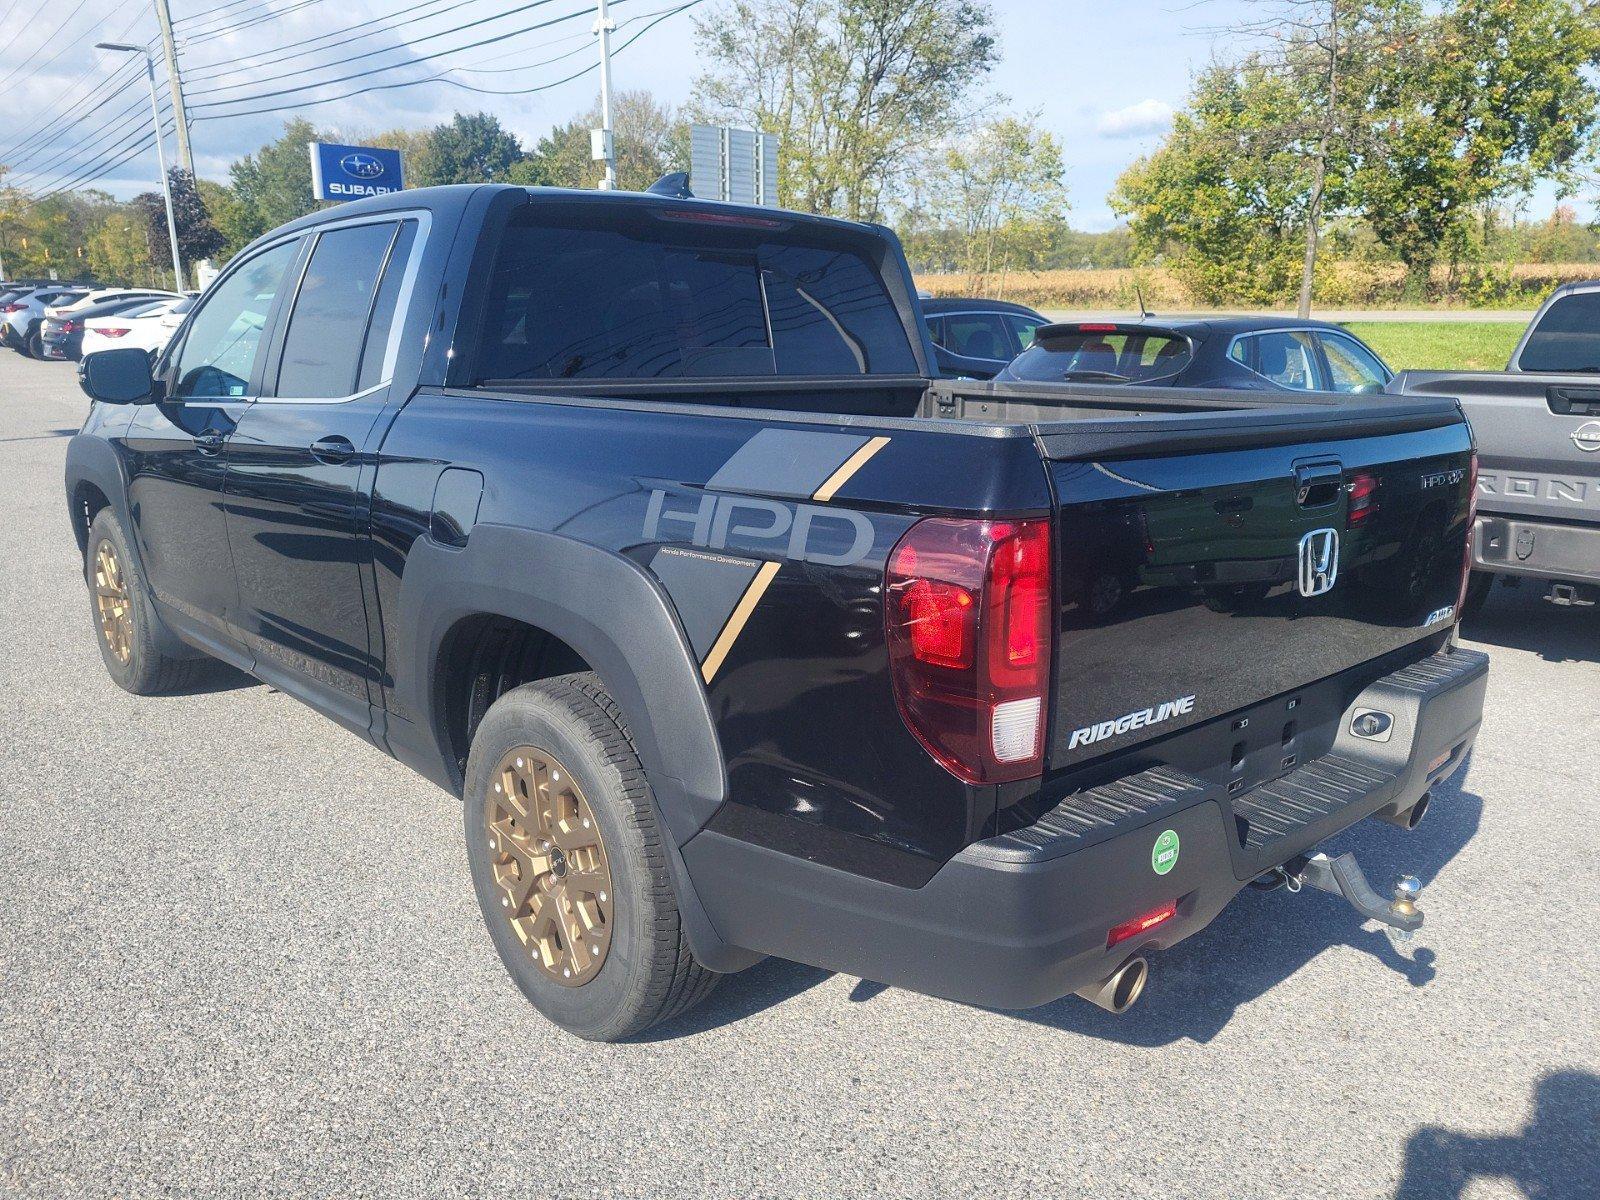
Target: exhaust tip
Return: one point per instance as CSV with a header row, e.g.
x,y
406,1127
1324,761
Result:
x,y
1120,990
1417,811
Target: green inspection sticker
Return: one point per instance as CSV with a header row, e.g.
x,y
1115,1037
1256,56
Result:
x,y
1164,854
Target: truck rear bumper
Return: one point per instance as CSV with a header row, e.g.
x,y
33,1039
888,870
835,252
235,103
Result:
x,y
1519,546
1022,919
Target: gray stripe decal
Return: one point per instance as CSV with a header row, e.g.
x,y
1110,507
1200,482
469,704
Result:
x,y
704,588
785,462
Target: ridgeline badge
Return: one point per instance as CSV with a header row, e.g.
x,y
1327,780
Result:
x,y
1164,854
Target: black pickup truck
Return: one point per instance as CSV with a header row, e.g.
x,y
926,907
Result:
x,y
640,524
1538,430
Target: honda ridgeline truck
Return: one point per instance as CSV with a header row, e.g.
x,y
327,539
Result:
x,y
639,524
1538,430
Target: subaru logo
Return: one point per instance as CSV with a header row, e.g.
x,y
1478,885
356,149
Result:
x,y
1319,561
361,166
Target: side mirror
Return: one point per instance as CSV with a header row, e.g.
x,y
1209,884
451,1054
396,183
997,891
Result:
x,y
116,376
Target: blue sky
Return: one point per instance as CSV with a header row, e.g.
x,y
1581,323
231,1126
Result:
x,y
1104,76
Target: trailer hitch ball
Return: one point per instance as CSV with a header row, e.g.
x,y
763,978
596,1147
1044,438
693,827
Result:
x,y
1407,889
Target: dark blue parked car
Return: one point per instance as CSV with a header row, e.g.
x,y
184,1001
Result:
x,y
1251,353
975,339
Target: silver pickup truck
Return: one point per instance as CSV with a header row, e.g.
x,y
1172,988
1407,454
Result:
x,y
1537,425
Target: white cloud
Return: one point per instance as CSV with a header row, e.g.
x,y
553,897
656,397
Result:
x,y
1136,120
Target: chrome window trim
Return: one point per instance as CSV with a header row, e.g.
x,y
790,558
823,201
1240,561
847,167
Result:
x,y
408,281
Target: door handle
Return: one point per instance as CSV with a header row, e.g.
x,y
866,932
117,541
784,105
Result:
x,y
333,449
209,441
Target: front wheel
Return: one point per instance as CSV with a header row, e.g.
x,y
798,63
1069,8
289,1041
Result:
x,y
124,621
569,863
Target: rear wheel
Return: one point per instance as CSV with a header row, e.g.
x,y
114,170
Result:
x,y
569,863
124,622
33,345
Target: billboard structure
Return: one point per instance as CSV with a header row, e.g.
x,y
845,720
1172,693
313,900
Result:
x,y
350,172
733,164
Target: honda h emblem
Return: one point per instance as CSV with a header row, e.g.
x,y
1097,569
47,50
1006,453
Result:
x,y
1319,561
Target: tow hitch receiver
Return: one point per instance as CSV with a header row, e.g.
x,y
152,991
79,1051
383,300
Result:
x,y
1342,876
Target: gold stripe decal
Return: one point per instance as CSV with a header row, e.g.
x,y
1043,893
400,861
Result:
x,y
850,466
736,623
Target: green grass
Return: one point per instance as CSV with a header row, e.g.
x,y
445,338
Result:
x,y
1440,345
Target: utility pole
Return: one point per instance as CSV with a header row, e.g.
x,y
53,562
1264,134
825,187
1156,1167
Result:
x,y
175,81
161,153
604,145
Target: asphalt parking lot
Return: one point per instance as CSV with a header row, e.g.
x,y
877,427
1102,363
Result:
x,y
239,954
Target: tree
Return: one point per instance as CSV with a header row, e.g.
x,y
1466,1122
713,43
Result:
x,y
1502,96
1000,189
1407,116
466,149
854,89
649,139
197,237
273,185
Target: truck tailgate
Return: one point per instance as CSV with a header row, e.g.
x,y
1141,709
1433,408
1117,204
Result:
x,y
1203,572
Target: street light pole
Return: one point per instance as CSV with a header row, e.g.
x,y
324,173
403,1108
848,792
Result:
x,y
603,26
161,153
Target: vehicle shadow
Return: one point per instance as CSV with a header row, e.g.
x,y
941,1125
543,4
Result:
x,y
1263,938
1520,619
1556,1156
46,436
1258,941
218,677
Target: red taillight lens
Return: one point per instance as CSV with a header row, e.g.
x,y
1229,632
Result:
x,y
1472,522
968,617
111,332
68,326
13,308
1363,489
1133,928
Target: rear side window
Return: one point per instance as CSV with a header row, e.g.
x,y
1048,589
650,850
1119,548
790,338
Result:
x,y
1023,328
1096,356
322,349
1288,358
660,301
1351,366
977,335
1567,337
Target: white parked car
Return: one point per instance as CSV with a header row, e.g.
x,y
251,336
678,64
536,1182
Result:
x,y
148,329
101,295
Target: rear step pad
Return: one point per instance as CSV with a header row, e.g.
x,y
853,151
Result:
x,y
1305,796
1087,818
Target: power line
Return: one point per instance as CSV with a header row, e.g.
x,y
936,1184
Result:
x,y
275,55
85,103
227,87
60,122
383,87
106,140
104,129
209,35
48,38
214,9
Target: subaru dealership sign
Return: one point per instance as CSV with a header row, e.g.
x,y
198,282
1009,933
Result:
x,y
350,172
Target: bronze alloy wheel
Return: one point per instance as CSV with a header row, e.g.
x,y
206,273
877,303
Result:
x,y
111,601
549,865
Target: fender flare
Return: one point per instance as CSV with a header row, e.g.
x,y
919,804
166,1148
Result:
x,y
607,609
92,460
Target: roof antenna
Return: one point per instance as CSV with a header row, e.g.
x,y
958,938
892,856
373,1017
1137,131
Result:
x,y
674,184
1139,295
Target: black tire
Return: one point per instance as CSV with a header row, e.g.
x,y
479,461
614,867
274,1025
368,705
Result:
x,y
33,345
1478,589
648,973
143,669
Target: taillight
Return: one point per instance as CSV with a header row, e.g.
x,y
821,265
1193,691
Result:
x,y
1363,488
10,308
1472,521
1133,928
968,615
112,332
68,326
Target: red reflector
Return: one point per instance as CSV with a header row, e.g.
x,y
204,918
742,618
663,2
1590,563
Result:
x,y
1097,327
1472,521
1133,928
1440,761
1363,498
111,332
